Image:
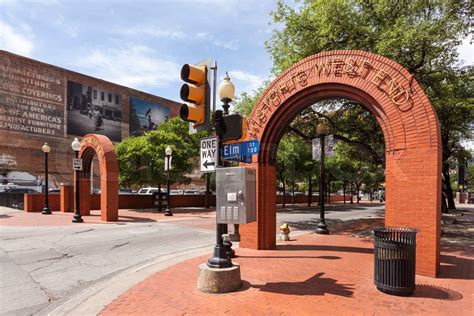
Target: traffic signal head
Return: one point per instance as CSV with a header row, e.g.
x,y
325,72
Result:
x,y
230,127
197,92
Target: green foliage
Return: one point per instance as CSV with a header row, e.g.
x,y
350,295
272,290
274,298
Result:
x,y
294,163
141,159
421,35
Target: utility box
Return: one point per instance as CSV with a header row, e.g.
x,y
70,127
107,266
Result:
x,y
236,195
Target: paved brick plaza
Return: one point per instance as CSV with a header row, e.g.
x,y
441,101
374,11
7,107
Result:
x,y
310,275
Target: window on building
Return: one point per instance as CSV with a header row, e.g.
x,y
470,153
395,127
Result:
x,y
94,94
102,95
110,97
117,99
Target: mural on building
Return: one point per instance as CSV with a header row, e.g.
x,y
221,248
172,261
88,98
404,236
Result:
x,y
31,99
93,110
146,116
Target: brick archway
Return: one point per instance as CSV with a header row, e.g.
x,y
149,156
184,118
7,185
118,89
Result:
x,y
100,145
405,115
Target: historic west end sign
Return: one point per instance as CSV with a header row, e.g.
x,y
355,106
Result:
x,y
350,67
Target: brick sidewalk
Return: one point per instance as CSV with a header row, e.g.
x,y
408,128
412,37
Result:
x,y
310,275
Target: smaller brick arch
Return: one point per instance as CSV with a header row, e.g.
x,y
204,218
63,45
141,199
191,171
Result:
x,y
100,145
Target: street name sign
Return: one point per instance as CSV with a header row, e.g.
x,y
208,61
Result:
x,y
241,151
209,154
77,164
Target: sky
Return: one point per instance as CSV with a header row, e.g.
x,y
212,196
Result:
x,y
143,44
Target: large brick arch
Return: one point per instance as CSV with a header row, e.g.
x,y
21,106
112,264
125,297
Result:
x,y
405,115
100,145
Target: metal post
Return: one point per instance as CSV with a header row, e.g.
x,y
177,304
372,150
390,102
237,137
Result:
x,y
322,227
77,212
219,258
46,209
208,185
168,210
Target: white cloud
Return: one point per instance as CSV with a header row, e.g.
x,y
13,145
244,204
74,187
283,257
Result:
x,y
150,30
136,67
231,45
244,81
14,42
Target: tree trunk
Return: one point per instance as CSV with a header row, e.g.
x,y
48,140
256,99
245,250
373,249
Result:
x,y
293,187
284,194
357,193
310,191
344,193
447,187
160,201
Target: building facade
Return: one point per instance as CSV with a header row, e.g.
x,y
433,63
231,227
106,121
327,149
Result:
x,y
43,103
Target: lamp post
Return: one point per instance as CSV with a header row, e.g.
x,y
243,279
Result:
x,y
220,257
168,152
76,147
46,149
322,229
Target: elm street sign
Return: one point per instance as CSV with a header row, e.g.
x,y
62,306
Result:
x,y
242,151
208,154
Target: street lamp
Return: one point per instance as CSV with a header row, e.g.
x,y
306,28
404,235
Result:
x,y
226,92
168,152
322,229
76,147
46,149
222,252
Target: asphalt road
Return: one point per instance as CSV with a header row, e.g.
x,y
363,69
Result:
x,y
42,268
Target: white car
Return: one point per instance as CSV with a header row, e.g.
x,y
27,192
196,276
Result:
x,y
149,191
176,192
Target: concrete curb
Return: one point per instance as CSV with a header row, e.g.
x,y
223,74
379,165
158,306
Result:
x,y
93,299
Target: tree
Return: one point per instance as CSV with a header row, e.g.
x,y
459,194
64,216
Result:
x,y
420,35
141,159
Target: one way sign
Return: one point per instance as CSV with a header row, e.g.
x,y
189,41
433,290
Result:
x,y
209,154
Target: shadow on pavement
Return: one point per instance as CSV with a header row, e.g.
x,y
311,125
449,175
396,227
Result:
x,y
324,248
316,285
436,293
292,257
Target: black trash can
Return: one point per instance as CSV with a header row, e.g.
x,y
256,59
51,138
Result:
x,y
394,259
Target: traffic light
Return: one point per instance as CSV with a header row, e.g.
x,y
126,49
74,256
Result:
x,y
197,92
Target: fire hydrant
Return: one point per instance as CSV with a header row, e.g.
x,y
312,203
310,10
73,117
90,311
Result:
x,y
285,232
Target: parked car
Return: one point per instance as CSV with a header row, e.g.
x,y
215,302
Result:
x,y
125,191
191,192
21,190
176,192
149,191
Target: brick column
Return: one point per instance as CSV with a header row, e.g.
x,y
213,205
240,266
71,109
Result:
x,y
66,198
